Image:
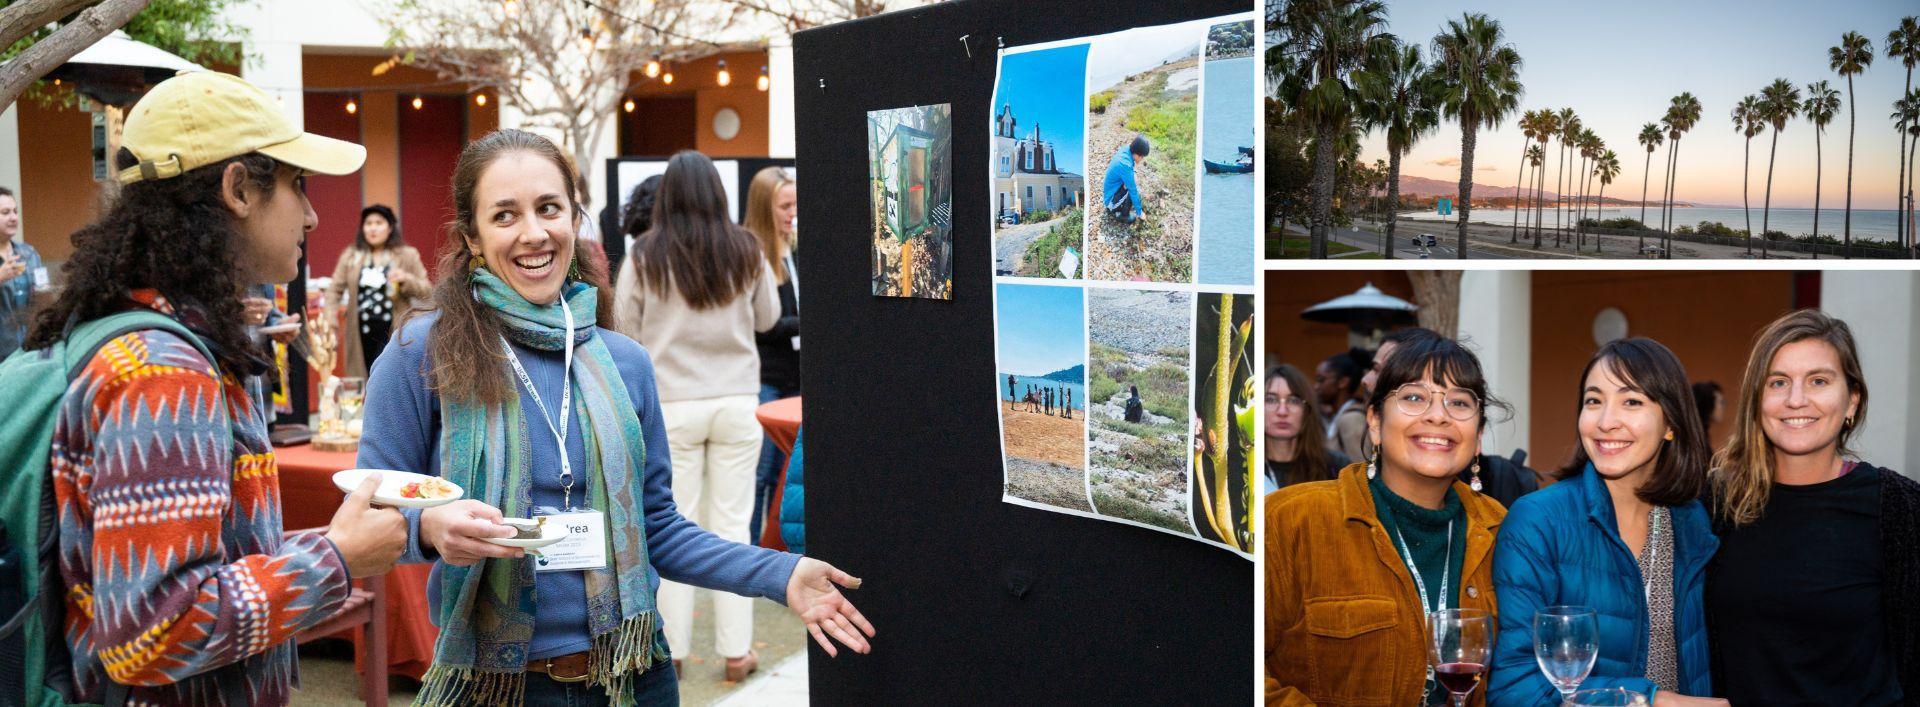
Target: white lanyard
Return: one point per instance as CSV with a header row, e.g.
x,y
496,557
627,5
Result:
x,y
793,276
1446,569
566,402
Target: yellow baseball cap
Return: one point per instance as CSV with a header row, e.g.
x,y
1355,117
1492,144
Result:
x,y
202,117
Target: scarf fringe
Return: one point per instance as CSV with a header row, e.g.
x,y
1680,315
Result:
x,y
447,686
619,655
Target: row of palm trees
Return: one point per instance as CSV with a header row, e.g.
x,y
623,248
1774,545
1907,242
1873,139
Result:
x,y
1342,72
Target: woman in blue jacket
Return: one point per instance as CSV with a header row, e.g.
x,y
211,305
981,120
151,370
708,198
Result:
x,y
1623,534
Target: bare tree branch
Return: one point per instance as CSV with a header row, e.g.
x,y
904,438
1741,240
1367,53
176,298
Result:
x,y
91,24
22,18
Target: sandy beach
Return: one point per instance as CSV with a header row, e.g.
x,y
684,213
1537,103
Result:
x,y
1045,456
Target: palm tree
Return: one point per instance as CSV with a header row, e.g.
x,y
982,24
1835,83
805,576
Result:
x,y
1569,131
1590,147
1606,169
1650,138
1526,124
1582,152
1548,127
1670,123
1903,43
1746,121
1537,157
1396,92
1779,103
1906,119
1480,85
1682,114
1822,103
1321,44
1911,109
1852,56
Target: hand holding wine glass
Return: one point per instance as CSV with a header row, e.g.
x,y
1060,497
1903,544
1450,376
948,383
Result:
x,y
1461,641
1566,643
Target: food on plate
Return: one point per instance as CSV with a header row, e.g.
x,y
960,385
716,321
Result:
x,y
524,529
429,488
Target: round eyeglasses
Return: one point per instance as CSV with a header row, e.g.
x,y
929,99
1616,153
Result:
x,y
1414,400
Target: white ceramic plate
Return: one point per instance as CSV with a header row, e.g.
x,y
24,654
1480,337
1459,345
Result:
x,y
550,533
280,328
390,484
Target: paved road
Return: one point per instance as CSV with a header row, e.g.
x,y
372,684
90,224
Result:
x,y
1403,248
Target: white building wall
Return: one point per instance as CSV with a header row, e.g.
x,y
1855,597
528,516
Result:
x,y
1496,319
10,157
781,87
1883,310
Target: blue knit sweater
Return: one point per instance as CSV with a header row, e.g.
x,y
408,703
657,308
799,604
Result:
x,y
402,423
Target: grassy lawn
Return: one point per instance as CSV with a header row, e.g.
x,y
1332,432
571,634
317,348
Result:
x,y
1296,247
1042,258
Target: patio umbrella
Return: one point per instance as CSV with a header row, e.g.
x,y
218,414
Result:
x,y
1366,310
118,69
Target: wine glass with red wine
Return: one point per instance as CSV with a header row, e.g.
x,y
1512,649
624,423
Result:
x,y
1462,641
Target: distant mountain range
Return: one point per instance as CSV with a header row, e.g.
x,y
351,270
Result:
x,y
1076,374
1422,186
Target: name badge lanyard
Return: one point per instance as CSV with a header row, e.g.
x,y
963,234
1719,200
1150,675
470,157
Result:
x,y
1446,569
566,403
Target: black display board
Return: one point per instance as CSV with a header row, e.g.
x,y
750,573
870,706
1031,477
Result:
x,y
976,601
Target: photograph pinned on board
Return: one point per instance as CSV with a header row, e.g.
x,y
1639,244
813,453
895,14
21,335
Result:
x,y
1224,415
1042,377
1139,356
910,165
1039,182
1229,236
1143,107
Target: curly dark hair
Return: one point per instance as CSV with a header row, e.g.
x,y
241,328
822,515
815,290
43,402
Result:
x,y
173,235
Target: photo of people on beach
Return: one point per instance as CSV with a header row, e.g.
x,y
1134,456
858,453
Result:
x,y
1143,107
1138,362
910,162
1042,383
1228,240
1039,163
1224,415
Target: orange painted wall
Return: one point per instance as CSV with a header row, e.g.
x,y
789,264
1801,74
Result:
x,y
57,192
1708,319
698,79
1305,344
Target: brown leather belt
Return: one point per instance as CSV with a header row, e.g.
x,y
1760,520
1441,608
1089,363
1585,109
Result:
x,y
572,667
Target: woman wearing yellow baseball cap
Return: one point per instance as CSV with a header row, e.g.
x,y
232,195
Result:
x,y
178,586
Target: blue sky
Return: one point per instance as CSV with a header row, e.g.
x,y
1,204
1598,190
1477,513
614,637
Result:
x,y
1043,87
1042,329
1136,50
1618,63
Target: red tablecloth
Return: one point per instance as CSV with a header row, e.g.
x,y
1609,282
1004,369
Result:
x,y
781,420
308,499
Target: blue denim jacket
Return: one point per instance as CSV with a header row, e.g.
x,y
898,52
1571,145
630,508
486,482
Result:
x,y
15,295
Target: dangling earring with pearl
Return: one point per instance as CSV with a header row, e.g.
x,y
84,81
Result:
x,y
1373,464
1474,479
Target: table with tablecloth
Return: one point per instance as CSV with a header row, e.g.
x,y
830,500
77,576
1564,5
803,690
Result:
x,y
308,500
781,420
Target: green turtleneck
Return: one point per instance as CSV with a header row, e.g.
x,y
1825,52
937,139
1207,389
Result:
x,y
1426,533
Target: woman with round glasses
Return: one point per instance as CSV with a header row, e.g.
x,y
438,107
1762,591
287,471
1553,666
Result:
x,y
1812,598
1355,564
1296,451
1623,533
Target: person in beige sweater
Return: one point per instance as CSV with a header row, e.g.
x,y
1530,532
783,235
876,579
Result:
x,y
377,278
695,293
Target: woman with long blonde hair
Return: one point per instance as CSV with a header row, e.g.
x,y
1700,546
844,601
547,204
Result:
x,y
771,209
1811,599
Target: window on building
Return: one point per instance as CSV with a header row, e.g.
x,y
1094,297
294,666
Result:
x,y
1049,166
1029,197
1029,160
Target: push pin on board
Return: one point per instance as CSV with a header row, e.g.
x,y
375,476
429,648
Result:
x,y
823,84
965,45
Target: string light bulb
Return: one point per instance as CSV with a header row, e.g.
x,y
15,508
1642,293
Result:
x,y
352,107
417,103
667,78
764,81
480,99
724,77
653,67
586,40
628,106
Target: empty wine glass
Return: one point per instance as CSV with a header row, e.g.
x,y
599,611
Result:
x,y
1566,642
1609,697
1461,642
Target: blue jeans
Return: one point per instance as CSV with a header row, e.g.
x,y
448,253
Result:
x,y
657,687
772,460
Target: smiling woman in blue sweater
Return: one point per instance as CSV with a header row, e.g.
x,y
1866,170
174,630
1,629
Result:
x,y
1623,533
512,388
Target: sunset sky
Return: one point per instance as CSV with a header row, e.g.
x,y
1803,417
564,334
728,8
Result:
x,y
1617,64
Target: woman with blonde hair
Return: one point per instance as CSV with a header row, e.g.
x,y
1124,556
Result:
x,y
771,207
1812,597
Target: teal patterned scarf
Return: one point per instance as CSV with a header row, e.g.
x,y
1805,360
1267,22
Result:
x,y
486,611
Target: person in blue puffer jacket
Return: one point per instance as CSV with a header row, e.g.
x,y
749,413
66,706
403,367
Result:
x,y
793,502
1624,534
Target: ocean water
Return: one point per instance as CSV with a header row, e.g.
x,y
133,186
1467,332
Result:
x,y
1021,383
1877,224
1228,239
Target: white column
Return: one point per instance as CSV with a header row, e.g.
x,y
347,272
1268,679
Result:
x,y
276,68
1496,321
1883,310
10,153
780,121
607,148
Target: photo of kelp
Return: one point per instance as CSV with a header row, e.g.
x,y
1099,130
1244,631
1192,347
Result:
x,y
1143,110
909,156
1228,238
1039,163
1226,414
1137,431
1041,377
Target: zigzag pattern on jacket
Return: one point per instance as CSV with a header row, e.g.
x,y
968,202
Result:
x,y
178,582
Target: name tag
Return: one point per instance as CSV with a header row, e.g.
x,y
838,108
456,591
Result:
x,y
796,343
373,277
41,280
585,547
